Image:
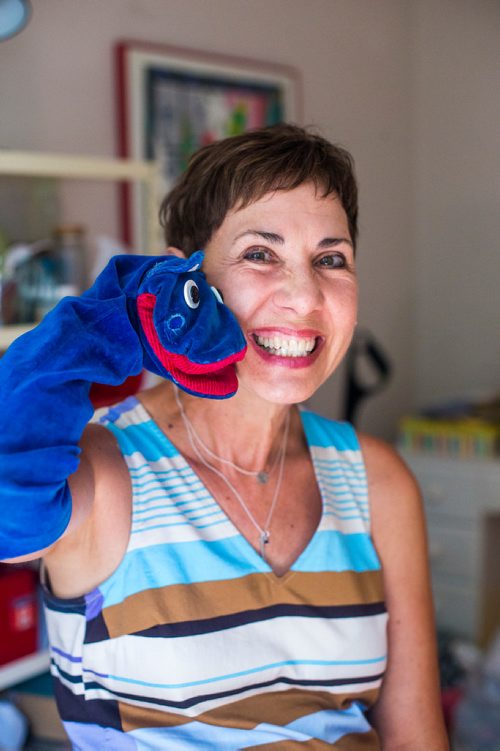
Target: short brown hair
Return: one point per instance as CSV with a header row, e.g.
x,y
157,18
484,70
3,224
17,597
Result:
x,y
241,169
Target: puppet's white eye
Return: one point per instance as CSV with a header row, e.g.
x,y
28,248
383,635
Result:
x,y
218,294
191,294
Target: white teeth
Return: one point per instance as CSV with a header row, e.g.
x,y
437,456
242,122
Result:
x,y
286,346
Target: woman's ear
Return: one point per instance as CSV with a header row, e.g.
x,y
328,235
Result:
x,y
171,251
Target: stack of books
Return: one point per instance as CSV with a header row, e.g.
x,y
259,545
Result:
x,y
457,438
458,430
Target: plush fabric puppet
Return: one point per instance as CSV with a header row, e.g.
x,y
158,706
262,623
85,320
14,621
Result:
x,y
151,312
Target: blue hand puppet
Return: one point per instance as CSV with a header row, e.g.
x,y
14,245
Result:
x,y
187,333
151,312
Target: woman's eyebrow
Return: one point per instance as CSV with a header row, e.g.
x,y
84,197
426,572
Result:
x,y
273,237
329,242
270,237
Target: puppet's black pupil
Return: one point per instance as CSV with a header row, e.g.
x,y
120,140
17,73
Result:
x,y
194,294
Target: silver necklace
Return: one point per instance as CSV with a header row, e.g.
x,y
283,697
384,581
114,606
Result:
x,y
260,475
264,533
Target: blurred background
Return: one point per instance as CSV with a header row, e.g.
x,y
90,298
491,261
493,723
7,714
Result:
x,y
410,88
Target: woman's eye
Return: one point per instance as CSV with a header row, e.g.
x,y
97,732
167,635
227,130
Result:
x,y
333,261
260,255
191,294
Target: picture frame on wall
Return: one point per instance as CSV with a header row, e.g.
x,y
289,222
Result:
x,y
171,101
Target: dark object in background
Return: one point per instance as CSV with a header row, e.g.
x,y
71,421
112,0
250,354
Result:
x,y
102,395
18,613
368,371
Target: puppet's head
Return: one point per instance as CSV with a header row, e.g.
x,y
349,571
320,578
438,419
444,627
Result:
x,y
188,329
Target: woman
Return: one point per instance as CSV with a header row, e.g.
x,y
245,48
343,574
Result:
x,y
241,573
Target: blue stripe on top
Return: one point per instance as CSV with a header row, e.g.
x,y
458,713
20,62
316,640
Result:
x,y
145,438
324,433
218,560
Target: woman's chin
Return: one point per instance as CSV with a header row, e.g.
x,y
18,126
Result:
x,y
277,389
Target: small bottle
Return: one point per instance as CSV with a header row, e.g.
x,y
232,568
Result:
x,y
477,717
476,724
69,258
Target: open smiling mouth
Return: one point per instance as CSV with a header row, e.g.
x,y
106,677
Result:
x,y
286,346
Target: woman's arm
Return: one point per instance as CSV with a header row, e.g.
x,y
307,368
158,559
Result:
x,y
408,713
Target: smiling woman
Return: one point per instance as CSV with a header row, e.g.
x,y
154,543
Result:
x,y
285,264
238,572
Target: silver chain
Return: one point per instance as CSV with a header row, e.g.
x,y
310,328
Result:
x,y
260,474
264,533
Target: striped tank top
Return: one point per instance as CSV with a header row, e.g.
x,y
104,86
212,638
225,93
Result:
x,y
194,643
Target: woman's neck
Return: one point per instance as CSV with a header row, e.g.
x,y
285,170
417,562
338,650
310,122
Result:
x,y
242,430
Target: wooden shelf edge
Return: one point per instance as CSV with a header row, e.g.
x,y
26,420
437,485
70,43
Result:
x,y
24,668
36,164
9,333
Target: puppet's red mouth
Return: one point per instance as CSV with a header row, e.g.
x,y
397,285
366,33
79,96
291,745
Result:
x,y
210,379
215,379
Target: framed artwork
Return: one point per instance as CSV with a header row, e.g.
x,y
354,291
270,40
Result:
x,y
172,101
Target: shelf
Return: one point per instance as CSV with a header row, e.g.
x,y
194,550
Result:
x,y
36,164
24,668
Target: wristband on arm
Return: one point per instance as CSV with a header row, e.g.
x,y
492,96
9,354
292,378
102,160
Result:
x,y
157,313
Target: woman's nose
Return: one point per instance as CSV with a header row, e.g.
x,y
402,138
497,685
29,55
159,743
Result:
x,y
299,291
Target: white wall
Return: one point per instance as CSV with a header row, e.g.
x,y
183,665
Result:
x,y
457,170
367,68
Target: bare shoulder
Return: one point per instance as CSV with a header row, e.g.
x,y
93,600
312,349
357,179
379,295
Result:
x,y
384,466
101,467
395,499
100,485
99,446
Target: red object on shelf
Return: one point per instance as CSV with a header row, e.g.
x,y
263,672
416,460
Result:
x,y
450,698
18,613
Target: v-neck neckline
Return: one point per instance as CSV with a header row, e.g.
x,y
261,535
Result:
x,y
260,564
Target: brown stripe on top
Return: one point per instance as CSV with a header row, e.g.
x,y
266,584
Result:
x,y
179,603
313,744
274,707
358,742
135,718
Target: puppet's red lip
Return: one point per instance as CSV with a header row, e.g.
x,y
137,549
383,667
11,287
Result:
x,y
185,365
220,383
193,376
216,379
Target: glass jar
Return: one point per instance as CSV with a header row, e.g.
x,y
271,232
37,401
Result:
x,y
69,258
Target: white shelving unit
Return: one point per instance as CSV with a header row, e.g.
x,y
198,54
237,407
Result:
x,y
462,505
35,164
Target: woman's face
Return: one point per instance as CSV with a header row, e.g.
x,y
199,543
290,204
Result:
x,y
285,266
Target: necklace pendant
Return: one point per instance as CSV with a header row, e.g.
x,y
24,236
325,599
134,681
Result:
x,y
264,539
262,477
